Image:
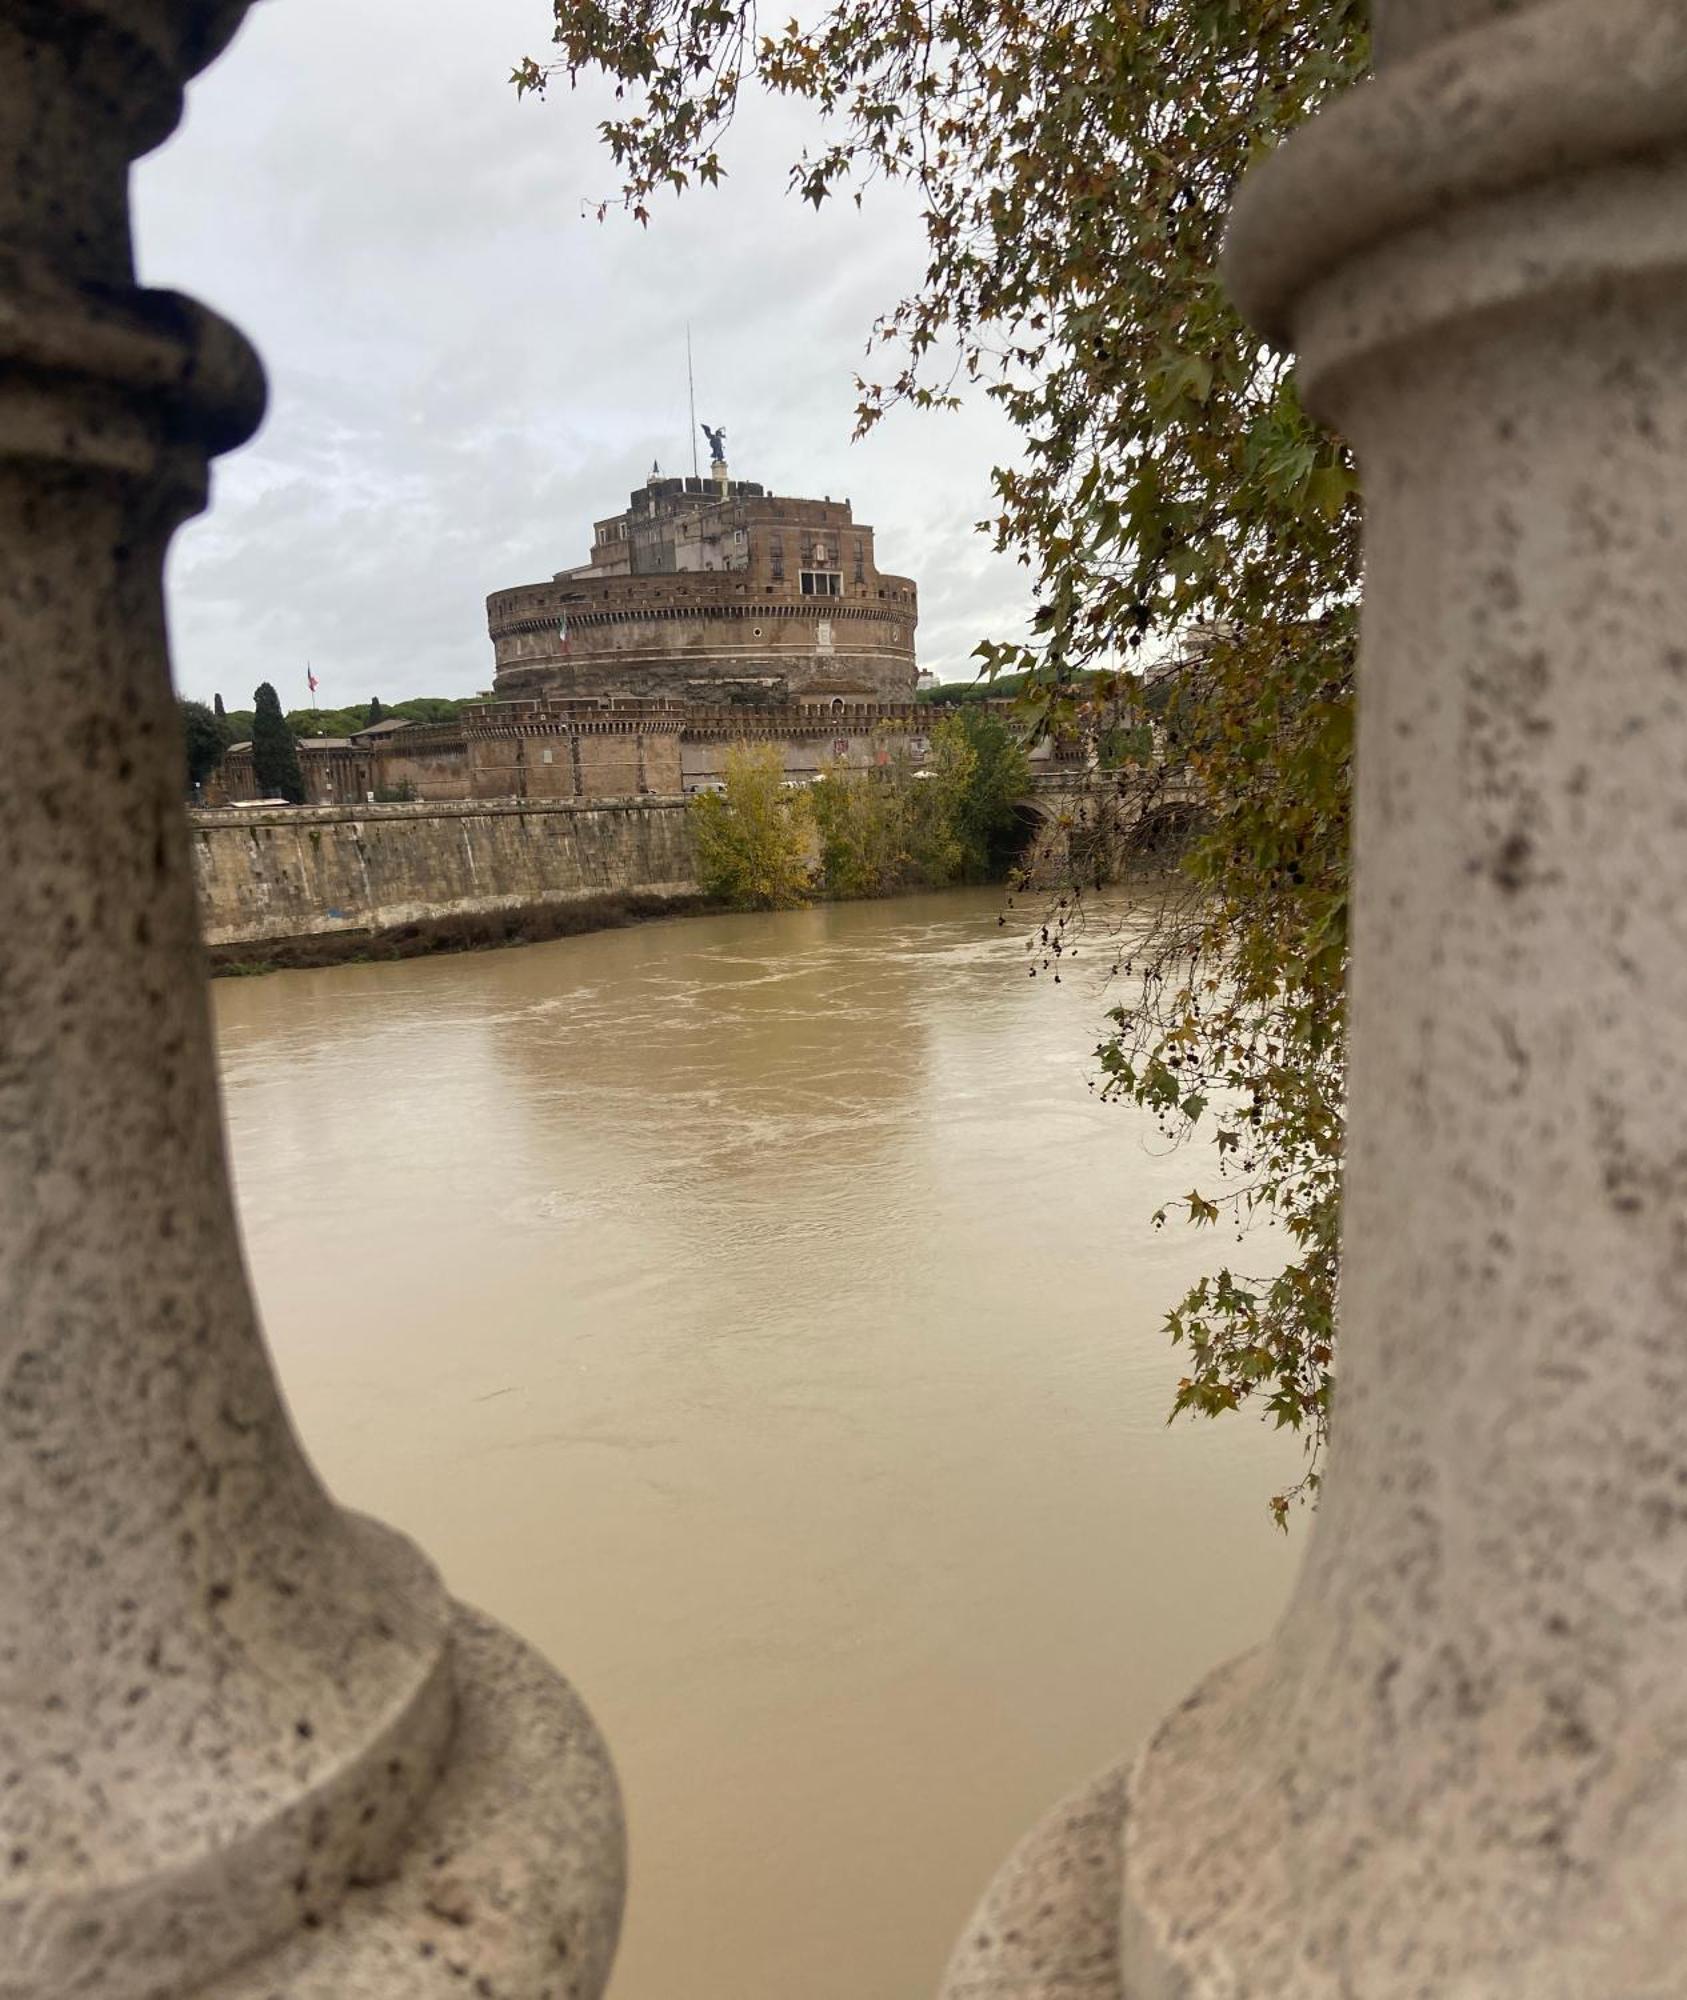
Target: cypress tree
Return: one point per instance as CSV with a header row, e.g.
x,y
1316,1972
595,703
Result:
x,y
376,713
275,754
217,708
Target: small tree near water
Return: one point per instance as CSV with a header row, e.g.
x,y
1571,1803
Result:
x,y
902,826
755,837
859,819
984,810
275,752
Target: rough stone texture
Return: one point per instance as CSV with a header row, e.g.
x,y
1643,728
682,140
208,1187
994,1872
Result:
x,y
1402,30
306,872
1458,1769
1050,1923
504,1890
223,1701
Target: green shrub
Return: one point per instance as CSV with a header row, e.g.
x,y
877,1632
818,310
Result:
x,y
986,775
874,831
755,838
860,820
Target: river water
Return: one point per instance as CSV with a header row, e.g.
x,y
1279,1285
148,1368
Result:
x,y
762,1316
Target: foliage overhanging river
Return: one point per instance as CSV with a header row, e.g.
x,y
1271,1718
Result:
x,y
761,1315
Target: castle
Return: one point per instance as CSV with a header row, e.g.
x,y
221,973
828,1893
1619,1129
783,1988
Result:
x,y
711,611
712,588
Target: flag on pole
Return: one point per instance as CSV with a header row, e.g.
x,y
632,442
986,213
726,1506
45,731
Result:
x,y
309,676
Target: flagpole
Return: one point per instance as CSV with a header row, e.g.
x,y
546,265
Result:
x,y
691,386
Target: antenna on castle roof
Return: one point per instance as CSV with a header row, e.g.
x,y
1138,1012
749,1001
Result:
x,y
691,386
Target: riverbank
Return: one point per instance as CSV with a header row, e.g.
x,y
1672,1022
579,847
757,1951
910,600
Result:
x,y
289,888
477,930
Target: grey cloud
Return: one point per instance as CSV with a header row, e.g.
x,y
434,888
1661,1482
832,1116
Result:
x,y
466,370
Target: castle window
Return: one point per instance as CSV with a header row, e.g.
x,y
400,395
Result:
x,y
860,560
821,583
776,554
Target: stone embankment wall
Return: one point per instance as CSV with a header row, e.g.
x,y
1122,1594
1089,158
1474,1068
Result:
x,y
269,873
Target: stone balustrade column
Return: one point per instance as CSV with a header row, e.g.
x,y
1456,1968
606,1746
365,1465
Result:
x,y
1458,1769
247,1744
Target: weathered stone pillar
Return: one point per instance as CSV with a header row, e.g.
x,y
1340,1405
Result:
x,y
247,1744
1459,1768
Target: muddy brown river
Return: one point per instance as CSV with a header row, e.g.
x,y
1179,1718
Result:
x,y
762,1316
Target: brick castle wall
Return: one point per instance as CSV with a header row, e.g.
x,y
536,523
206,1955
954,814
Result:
x,y
668,613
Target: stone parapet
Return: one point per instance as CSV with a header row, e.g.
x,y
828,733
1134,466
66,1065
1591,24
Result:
x,y
536,606
1460,1767
817,718
218,819
585,720
551,748
228,1706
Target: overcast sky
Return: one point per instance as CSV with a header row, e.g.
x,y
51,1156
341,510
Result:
x,y
465,371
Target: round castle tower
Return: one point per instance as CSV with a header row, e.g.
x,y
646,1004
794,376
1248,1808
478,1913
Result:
x,y
711,589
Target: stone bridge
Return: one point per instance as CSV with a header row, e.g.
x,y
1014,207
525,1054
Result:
x,y
251,1744
1090,824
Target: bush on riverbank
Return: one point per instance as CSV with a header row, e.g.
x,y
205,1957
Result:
x,y
952,816
986,810
755,838
886,829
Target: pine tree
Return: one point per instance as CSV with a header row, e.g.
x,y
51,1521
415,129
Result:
x,y
275,753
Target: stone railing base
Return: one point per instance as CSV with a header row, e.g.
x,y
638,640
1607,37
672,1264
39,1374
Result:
x,y
511,1885
1048,1927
